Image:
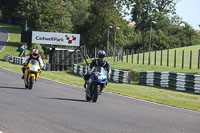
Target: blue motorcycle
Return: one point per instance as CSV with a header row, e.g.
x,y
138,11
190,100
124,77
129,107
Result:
x,y
96,83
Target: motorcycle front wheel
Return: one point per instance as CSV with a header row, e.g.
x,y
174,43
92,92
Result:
x,y
95,93
31,81
87,98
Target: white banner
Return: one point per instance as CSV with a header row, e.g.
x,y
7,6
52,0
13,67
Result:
x,y
53,38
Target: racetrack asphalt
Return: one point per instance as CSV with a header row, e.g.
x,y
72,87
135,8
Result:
x,y
52,107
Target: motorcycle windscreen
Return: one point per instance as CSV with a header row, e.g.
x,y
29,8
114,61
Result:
x,y
100,70
34,65
34,62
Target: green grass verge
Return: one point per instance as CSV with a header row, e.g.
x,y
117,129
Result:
x,y
179,51
159,95
14,39
12,47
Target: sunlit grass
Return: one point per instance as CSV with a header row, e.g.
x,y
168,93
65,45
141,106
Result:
x,y
187,51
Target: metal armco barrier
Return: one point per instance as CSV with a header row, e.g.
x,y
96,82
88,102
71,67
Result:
x,y
177,81
16,59
79,70
118,76
19,60
6,58
61,59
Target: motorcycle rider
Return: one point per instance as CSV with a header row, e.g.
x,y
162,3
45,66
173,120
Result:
x,y
100,61
35,56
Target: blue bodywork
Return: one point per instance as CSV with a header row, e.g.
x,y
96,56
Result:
x,y
99,75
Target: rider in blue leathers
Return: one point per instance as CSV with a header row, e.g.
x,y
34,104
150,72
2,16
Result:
x,y
100,61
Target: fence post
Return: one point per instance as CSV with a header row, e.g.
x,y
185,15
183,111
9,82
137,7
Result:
x,y
161,58
183,59
143,57
122,54
119,51
190,59
198,58
168,57
132,52
155,58
138,57
127,52
175,59
117,54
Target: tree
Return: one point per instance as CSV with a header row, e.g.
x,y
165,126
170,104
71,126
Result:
x,y
80,12
167,32
104,13
49,15
141,13
8,8
144,11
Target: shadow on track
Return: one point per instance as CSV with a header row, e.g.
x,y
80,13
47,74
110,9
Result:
x,y
67,99
9,87
2,43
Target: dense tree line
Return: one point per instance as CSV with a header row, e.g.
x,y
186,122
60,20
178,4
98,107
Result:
x,y
92,18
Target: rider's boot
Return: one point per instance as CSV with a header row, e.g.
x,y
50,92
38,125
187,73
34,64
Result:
x,y
84,85
23,71
101,89
22,76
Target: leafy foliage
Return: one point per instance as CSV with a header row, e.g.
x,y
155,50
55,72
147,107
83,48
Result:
x,y
92,19
49,15
167,30
8,8
102,15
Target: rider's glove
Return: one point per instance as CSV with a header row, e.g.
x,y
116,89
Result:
x,y
89,72
108,77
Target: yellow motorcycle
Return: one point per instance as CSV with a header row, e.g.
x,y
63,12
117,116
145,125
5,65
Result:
x,y
32,73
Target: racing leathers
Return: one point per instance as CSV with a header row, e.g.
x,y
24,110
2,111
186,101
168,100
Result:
x,y
96,63
28,58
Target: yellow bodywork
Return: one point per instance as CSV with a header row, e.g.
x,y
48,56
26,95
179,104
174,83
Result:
x,y
32,73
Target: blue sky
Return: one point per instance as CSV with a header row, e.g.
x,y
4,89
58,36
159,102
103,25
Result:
x,y
189,11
